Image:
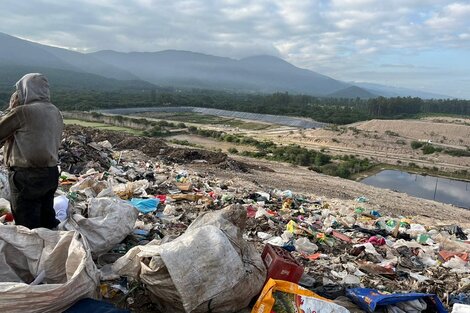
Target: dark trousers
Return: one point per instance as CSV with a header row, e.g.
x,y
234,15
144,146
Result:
x,y
32,196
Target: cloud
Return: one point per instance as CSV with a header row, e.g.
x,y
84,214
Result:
x,y
451,17
335,37
407,66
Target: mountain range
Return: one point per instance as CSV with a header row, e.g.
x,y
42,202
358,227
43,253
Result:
x,y
106,70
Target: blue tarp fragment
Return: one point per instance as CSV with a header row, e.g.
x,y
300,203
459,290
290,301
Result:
x,y
145,205
370,299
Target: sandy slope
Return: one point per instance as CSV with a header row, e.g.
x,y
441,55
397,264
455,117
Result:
x,y
449,133
386,141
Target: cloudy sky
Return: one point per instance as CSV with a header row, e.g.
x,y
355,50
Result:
x,y
420,44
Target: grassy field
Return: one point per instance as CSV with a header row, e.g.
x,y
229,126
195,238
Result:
x,y
208,143
196,118
102,126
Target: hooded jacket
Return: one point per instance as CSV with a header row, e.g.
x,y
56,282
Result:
x,y
32,131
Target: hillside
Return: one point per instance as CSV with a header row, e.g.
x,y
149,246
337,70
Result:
x,y
69,79
19,52
388,91
196,70
185,69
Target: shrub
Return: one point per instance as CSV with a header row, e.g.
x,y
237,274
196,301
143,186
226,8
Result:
x,y
354,130
322,159
343,171
457,152
416,144
229,138
391,133
430,149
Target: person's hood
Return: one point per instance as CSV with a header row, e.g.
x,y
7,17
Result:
x,y
33,87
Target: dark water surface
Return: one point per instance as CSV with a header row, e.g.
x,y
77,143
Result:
x,y
444,190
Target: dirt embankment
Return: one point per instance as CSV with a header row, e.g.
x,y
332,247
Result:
x,y
445,133
386,141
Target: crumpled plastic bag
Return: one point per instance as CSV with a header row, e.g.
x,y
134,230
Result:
x,y
90,186
208,268
460,308
61,205
129,189
109,221
59,260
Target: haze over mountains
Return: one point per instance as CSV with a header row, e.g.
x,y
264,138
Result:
x,y
179,69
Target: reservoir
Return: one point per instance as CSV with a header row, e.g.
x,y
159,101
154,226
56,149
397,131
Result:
x,y
444,190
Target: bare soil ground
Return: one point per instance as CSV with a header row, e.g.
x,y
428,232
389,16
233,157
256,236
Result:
x,y
386,141
446,119
439,132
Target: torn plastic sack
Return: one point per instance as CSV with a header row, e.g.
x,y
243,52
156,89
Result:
x,y
371,300
282,296
43,270
90,186
208,268
109,221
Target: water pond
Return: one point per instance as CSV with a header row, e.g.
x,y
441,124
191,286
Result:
x,y
444,190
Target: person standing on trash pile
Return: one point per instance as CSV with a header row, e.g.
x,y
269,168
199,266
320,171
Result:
x,y
31,132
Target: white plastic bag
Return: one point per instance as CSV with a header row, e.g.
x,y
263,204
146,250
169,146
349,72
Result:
x,y
62,258
109,221
208,268
461,308
304,245
61,204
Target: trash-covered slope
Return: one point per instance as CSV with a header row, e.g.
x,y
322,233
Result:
x,y
340,243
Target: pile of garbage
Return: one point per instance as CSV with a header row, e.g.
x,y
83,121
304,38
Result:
x,y
147,222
